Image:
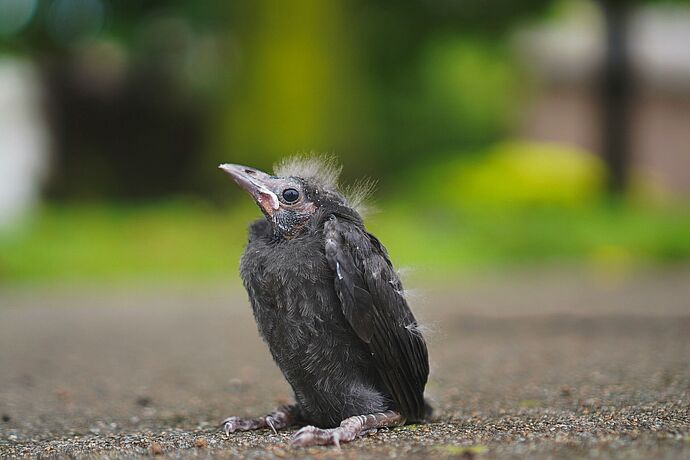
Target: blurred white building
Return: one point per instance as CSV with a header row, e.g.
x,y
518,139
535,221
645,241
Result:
x,y
24,139
565,57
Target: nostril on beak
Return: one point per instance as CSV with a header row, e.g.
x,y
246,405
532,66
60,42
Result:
x,y
250,171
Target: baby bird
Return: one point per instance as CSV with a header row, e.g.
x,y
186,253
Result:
x,y
331,308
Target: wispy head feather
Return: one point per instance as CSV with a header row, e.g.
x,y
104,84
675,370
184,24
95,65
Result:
x,y
324,171
358,194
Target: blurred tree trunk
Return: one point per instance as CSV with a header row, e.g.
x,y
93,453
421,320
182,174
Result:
x,y
616,96
299,86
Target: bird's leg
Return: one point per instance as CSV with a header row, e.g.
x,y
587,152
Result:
x,y
280,418
348,430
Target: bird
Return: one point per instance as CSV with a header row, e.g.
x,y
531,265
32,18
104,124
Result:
x,y
330,306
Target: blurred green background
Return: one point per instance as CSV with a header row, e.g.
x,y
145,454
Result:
x,y
482,121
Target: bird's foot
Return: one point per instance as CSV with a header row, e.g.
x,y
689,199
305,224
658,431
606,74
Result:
x,y
313,436
348,430
232,424
282,417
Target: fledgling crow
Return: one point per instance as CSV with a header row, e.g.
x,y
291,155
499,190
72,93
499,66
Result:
x,y
331,308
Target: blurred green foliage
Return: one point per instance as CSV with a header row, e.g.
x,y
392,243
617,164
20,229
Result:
x,y
519,175
296,89
471,87
517,205
386,85
420,95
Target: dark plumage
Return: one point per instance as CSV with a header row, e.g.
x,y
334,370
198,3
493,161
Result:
x,y
331,308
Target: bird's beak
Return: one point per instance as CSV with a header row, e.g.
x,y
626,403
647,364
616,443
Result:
x,y
255,183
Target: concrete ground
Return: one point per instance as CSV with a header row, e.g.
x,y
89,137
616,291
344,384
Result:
x,y
535,365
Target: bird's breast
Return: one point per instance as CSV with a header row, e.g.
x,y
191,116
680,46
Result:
x,y
291,289
300,317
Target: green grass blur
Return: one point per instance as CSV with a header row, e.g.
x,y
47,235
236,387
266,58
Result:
x,y
145,98
515,205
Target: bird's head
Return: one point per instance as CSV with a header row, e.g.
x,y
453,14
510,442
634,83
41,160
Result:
x,y
301,191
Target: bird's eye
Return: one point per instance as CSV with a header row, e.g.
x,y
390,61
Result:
x,y
290,195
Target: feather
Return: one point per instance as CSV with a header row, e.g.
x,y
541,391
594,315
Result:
x,y
324,171
378,314
358,194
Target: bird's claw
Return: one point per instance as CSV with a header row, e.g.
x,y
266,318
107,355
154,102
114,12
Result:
x,y
270,421
231,424
313,436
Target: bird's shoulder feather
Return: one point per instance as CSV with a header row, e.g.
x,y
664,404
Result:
x,y
374,304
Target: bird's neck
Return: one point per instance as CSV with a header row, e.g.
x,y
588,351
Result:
x,y
290,226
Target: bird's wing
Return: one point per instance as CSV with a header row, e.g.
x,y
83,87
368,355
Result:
x,y
374,304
